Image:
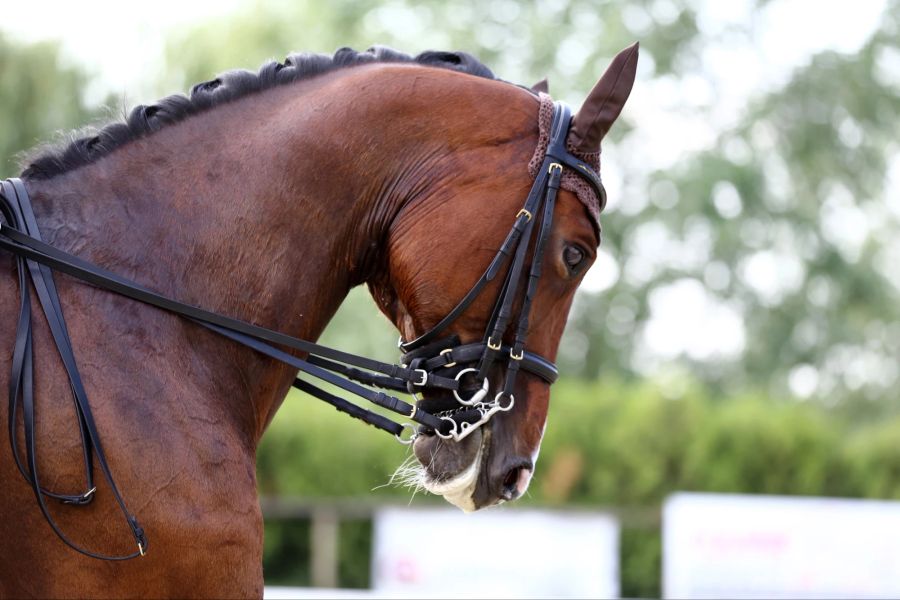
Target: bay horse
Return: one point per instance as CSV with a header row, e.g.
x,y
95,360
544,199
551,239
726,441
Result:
x,y
266,197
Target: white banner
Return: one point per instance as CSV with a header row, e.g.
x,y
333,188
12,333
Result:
x,y
737,546
499,553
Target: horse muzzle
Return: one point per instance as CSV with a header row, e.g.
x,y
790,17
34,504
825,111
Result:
x,y
477,471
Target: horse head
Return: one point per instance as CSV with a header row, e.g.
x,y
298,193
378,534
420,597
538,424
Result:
x,y
448,234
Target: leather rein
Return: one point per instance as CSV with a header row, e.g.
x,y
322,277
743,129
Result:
x,y
423,358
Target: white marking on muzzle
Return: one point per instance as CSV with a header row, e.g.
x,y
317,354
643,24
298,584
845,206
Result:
x,y
458,491
522,481
525,475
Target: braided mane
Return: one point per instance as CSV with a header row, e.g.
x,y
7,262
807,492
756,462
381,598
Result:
x,y
80,149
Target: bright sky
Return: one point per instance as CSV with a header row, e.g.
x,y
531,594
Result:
x,y
121,43
785,34
738,63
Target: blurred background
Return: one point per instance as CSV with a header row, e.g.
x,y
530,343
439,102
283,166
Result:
x,y
740,331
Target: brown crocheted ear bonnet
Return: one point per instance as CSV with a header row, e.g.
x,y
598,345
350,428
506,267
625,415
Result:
x,y
570,181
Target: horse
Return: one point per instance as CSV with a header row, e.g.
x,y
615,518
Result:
x,y
266,197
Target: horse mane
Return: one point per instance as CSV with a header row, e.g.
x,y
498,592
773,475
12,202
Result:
x,y
80,149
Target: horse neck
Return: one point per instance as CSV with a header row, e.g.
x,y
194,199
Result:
x,y
268,209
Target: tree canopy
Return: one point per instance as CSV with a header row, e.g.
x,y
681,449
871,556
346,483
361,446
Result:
x,y
40,96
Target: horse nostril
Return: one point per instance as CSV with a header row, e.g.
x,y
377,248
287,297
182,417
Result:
x,y
510,480
510,487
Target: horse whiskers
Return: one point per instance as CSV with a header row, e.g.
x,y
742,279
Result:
x,y
409,474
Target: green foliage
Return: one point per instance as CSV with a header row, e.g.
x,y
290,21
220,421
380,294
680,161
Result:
x,y
354,554
608,445
285,540
641,566
754,446
39,96
293,463
873,457
288,546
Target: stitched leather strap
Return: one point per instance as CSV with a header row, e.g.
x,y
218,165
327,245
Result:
x,y
17,210
240,331
470,353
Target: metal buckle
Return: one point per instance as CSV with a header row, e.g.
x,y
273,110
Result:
x,y
141,549
445,353
521,212
424,377
81,500
557,165
514,356
494,345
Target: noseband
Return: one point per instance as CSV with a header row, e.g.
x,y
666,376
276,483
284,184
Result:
x,y
429,361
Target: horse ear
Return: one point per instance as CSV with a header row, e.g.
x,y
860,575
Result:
x,y
605,102
541,86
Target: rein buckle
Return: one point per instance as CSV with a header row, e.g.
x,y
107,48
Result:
x,y
424,375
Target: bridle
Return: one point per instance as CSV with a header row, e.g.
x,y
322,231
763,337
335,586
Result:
x,y
425,359
428,352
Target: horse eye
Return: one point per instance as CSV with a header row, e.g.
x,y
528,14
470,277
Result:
x,y
574,256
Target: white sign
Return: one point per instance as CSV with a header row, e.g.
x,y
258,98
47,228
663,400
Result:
x,y
499,553
735,546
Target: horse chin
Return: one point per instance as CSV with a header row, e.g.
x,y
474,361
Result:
x,y
452,469
460,490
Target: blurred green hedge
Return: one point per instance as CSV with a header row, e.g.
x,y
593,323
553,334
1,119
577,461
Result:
x,y
609,445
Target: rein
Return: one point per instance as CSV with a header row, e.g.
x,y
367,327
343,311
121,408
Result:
x,y
449,418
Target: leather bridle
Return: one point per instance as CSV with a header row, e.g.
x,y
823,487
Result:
x,y
428,361
428,352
